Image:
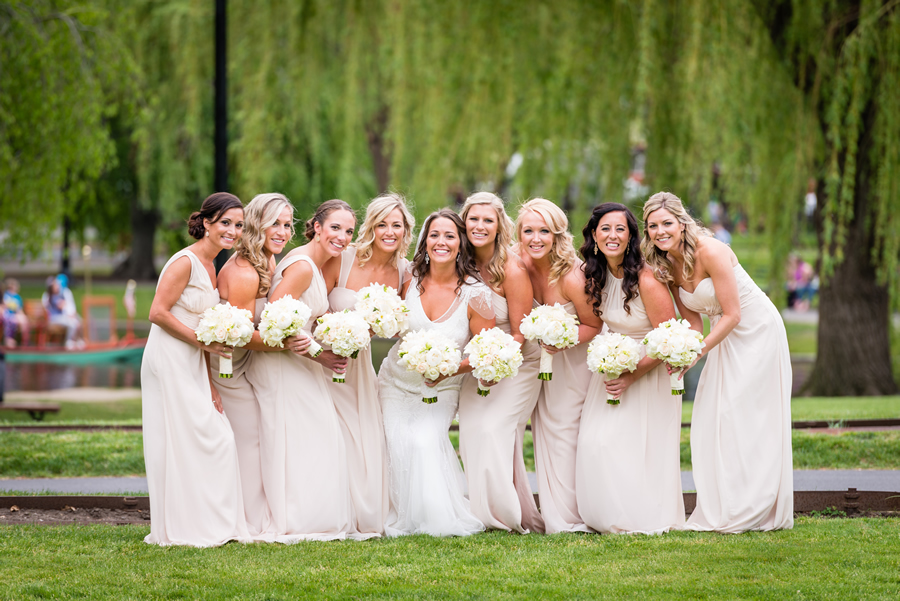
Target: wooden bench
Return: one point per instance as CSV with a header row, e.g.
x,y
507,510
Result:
x,y
35,410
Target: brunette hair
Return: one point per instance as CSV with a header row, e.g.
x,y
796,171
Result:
x,y
465,263
211,210
496,267
690,236
595,264
322,212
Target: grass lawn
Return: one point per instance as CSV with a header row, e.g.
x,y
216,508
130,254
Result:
x,y
118,412
832,408
819,559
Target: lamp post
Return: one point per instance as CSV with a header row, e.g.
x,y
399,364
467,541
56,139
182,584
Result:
x,y
221,108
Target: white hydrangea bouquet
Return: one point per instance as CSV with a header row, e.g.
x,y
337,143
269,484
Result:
x,y
285,317
675,343
553,326
383,310
493,355
228,325
430,354
346,332
613,354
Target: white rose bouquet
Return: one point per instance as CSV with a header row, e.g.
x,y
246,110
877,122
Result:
x,y
383,310
285,317
228,325
553,326
493,355
430,354
346,332
675,343
612,354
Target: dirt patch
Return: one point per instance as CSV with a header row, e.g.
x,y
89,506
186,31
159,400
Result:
x,y
73,515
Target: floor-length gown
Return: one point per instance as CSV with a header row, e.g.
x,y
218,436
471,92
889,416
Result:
x,y
189,448
628,467
741,422
356,401
242,409
304,465
426,481
555,424
490,440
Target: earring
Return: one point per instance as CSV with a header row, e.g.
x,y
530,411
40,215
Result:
x,y
627,248
457,257
596,246
317,237
207,233
427,259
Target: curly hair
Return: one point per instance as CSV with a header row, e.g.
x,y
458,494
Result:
x,y
322,212
259,214
658,259
376,212
596,265
465,263
496,267
211,210
562,255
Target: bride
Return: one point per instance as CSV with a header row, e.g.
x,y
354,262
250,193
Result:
x,y
446,295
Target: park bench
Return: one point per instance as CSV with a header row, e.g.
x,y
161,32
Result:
x,y
34,409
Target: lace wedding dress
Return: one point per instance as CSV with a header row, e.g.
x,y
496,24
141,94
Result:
x,y
426,481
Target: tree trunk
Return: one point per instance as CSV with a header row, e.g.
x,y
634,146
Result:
x,y
139,264
378,148
854,356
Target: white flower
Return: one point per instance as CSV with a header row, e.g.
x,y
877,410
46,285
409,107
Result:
x,y
225,324
346,332
429,353
613,354
383,309
551,325
675,343
494,355
282,318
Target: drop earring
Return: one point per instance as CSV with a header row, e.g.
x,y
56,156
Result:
x,y
317,237
627,248
427,259
596,247
206,234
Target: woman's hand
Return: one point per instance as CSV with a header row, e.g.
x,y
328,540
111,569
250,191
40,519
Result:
x,y
329,360
298,344
551,349
217,348
683,370
217,400
618,386
487,384
433,383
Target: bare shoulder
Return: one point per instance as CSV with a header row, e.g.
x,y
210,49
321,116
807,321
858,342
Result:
x,y
712,251
647,281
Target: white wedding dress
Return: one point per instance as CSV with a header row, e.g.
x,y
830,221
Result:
x,y
426,482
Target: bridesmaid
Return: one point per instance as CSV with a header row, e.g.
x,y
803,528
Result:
x,y
244,282
741,423
189,448
301,446
491,428
376,257
628,467
557,276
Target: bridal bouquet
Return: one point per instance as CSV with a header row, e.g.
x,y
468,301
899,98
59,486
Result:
x,y
675,343
383,310
553,326
494,355
226,324
612,354
430,354
285,317
346,332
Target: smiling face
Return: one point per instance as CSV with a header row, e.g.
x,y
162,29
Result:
x,y
612,236
442,242
535,236
482,225
336,231
226,231
278,234
389,232
664,230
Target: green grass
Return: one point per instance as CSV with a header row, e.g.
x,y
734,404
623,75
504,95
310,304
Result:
x,y
831,408
802,338
820,559
117,412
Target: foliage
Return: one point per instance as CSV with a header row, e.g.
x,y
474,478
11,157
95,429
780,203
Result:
x,y
819,558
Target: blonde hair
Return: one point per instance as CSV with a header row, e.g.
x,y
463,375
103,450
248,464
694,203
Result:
x,y
376,212
562,254
496,267
261,213
658,259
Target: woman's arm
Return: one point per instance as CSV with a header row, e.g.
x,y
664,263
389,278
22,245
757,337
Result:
x,y
519,295
717,260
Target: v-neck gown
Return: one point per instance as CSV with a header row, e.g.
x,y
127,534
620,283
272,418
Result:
x,y
304,464
741,422
628,468
189,450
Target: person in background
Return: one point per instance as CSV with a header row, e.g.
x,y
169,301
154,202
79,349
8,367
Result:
x,y
14,318
59,303
802,283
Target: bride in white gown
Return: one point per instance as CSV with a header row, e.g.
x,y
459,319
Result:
x,y
444,295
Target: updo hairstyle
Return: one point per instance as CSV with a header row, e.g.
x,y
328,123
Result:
x,y
211,210
322,212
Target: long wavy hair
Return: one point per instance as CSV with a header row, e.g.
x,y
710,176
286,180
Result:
x,y
322,212
465,264
260,214
658,259
376,212
595,263
496,267
562,255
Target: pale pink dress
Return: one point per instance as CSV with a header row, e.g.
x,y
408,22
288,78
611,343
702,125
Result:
x,y
490,441
628,468
189,448
242,408
359,411
741,422
555,425
304,464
